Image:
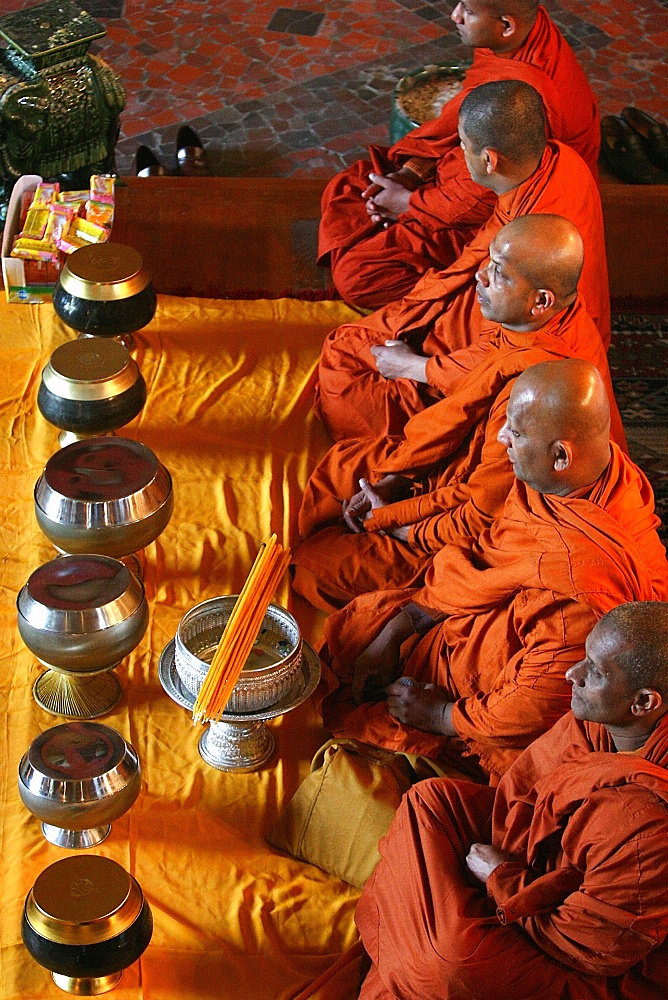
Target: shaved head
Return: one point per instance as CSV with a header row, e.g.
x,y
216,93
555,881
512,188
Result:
x,y
532,272
557,429
523,10
641,631
499,25
506,116
568,395
547,250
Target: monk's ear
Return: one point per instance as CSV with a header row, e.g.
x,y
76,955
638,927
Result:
x,y
645,702
490,159
562,455
543,301
508,26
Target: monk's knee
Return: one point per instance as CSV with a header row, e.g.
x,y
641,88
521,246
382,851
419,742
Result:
x,y
325,597
366,281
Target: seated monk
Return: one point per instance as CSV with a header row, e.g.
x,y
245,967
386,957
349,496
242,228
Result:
x,y
387,220
482,648
448,475
553,885
371,377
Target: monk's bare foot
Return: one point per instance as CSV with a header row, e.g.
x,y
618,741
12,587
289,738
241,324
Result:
x,y
423,706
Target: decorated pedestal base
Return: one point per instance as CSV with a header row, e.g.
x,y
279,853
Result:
x,y
77,696
236,746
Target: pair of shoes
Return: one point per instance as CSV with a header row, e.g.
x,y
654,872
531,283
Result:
x,y
146,163
623,154
653,135
191,158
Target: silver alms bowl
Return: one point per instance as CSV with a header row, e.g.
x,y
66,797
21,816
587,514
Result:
x,y
278,651
77,778
82,613
108,495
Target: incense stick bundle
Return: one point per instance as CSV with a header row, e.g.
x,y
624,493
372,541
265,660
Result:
x,y
241,631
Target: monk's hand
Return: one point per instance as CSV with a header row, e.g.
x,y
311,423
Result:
x,y
374,669
482,859
404,176
380,662
355,512
387,197
424,706
395,359
360,506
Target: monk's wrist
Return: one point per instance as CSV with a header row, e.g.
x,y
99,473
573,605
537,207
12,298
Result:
x,y
448,728
415,368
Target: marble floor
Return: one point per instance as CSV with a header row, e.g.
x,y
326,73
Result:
x,y
300,90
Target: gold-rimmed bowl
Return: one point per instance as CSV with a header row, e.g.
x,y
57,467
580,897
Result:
x,y
90,386
272,665
104,290
77,778
86,919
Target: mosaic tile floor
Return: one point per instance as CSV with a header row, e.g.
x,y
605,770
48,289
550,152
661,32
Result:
x,y
300,90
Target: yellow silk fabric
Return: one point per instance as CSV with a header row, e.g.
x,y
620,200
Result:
x,y
229,413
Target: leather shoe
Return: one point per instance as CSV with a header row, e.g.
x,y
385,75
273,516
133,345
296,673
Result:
x,y
623,154
146,163
191,158
653,135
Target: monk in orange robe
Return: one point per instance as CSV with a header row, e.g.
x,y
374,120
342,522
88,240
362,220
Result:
x,y
448,475
472,665
414,206
378,371
553,886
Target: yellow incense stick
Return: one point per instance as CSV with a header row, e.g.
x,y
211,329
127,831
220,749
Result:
x,y
241,631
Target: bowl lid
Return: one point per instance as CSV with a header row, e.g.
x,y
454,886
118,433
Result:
x,y
104,272
82,900
76,751
101,470
78,582
90,368
77,594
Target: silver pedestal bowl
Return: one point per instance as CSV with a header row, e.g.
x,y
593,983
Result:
x,y
273,672
241,742
80,615
77,778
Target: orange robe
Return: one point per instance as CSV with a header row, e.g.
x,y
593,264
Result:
x,y
372,266
460,471
580,913
441,315
519,603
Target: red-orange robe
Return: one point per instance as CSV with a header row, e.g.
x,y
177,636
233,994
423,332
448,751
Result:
x,y
519,603
580,913
460,471
441,315
371,265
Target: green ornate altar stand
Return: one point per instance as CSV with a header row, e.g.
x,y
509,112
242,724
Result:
x,y
59,106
